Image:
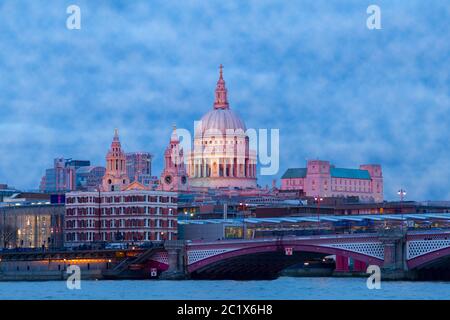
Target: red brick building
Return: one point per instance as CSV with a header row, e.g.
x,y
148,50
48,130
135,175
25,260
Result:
x,y
134,215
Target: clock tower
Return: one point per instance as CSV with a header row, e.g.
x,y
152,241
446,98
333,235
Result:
x,y
174,176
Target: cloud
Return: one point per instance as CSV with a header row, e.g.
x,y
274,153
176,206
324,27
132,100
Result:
x,y
335,89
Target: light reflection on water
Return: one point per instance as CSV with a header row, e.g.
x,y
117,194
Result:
x,y
282,288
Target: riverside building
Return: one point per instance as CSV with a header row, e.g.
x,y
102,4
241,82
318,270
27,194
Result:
x,y
132,216
119,211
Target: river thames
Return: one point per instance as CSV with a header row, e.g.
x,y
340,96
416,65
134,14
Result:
x,y
281,288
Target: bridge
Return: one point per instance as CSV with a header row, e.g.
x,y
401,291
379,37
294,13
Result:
x,y
398,253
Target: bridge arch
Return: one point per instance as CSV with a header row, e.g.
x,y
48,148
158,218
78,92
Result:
x,y
428,258
271,257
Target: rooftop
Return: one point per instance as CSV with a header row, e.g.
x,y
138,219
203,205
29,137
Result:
x,y
327,218
292,173
349,173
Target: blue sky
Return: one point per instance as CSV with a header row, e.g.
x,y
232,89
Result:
x,y
335,89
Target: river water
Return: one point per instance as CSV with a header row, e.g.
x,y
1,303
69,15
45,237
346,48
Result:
x,y
281,288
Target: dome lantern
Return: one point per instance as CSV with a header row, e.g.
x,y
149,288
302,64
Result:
x,y
221,99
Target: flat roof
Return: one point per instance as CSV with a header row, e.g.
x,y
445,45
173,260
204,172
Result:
x,y
328,218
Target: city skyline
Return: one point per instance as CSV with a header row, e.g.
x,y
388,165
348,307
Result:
x,y
336,91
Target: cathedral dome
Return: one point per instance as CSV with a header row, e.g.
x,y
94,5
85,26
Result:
x,y
221,118
221,156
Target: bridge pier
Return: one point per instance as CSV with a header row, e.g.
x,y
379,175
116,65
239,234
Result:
x,y
341,264
394,266
359,266
176,251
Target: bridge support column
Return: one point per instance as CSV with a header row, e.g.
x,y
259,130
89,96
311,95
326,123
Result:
x,y
176,252
394,266
359,266
341,264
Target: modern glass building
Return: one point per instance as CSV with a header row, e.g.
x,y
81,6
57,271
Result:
x,y
31,225
139,167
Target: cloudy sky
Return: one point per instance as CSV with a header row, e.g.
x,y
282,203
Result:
x,y
335,89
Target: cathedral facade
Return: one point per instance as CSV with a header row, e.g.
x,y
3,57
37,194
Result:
x,y
221,155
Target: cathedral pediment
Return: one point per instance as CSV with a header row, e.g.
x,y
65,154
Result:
x,y
135,185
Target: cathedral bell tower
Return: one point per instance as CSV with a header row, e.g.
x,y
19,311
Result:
x,y
174,176
115,178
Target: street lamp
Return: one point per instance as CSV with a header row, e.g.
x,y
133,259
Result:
x,y
243,207
318,201
402,194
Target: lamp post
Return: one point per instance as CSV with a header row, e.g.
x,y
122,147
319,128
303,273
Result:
x,y
242,207
318,200
244,231
402,194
